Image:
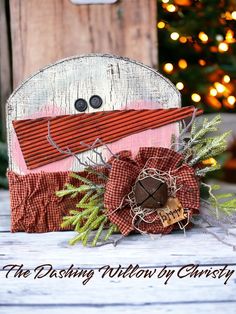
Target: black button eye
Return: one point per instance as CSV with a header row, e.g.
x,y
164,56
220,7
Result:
x,y
81,104
95,101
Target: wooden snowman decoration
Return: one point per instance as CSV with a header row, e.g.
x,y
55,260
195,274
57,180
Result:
x,y
101,101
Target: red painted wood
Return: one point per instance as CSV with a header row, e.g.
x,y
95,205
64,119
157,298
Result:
x,y
69,131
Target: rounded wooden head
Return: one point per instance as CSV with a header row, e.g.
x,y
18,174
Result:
x,y
91,83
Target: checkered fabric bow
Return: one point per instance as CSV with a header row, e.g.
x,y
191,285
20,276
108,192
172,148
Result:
x,y
123,175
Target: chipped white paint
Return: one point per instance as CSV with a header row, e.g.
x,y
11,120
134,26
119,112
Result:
x,y
122,84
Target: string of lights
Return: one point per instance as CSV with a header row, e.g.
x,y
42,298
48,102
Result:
x,y
197,50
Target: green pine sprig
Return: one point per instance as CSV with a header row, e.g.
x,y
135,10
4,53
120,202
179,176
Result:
x,y
201,144
202,172
209,147
90,214
224,202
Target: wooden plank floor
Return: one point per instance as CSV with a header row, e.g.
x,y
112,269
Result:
x,y
114,295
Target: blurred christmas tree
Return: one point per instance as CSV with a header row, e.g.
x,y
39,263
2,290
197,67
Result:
x,y
230,165
3,161
197,49
3,165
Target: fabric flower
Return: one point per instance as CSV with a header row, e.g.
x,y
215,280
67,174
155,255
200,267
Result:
x,y
123,175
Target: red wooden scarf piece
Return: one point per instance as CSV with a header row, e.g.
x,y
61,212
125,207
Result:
x,y
72,131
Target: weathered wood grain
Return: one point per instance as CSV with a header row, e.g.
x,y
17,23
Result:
x,y
48,30
172,249
4,203
5,224
121,83
126,292
92,1
191,308
115,295
5,220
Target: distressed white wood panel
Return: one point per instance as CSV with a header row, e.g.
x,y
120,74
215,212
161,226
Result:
x,y
116,291
190,308
122,84
5,224
4,203
4,211
172,249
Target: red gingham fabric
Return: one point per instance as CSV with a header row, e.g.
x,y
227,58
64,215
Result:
x,y
122,177
34,204
36,208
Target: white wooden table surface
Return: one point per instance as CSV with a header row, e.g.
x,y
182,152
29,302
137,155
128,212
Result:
x,y
114,295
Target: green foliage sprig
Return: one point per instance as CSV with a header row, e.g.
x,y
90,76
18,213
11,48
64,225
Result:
x,y
90,215
205,146
198,146
224,202
202,145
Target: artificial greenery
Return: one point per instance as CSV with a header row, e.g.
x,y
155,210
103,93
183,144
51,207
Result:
x,y
199,142
200,146
90,214
224,202
206,146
